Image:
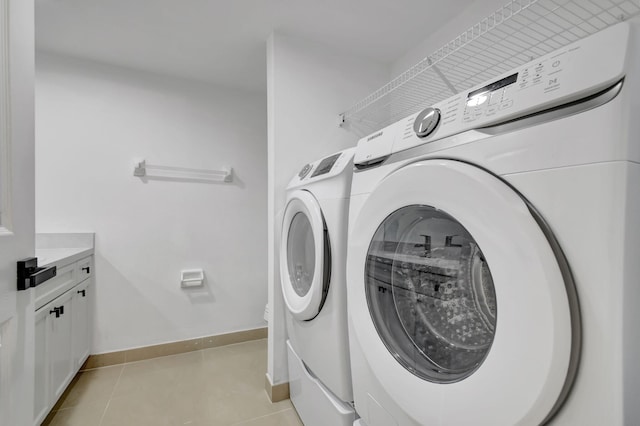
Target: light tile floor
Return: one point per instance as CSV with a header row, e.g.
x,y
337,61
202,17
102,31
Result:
x,y
218,386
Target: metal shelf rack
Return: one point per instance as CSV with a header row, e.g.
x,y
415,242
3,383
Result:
x,y
518,32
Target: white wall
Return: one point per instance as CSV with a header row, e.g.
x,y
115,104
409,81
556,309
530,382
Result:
x,y
308,84
477,11
93,122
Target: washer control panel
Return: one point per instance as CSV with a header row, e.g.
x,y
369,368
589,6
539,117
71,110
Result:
x,y
565,75
488,100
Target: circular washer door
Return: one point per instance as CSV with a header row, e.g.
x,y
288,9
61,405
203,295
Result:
x,y
457,299
304,256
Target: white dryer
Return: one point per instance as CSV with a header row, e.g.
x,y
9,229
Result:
x,y
313,252
493,250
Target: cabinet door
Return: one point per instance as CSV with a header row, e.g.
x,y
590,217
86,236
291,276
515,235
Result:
x,y
41,382
60,344
81,322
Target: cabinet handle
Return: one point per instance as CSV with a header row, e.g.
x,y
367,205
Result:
x,y
87,268
61,310
55,311
82,292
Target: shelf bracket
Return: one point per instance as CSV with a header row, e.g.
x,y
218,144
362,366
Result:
x,y
444,79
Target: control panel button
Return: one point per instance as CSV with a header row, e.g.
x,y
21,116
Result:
x,y
492,110
305,171
496,97
506,104
426,122
507,93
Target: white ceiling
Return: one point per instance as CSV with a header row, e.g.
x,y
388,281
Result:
x,y
223,42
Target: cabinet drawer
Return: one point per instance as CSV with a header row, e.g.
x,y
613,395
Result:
x,y
49,290
84,268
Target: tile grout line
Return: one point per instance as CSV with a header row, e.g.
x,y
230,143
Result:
x,y
113,391
262,416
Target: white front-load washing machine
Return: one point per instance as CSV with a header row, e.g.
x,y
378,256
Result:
x,y
312,267
493,250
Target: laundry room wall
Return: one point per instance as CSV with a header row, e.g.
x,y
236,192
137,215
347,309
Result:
x,y
470,16
308,85
93,122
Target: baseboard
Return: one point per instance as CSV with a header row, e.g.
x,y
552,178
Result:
x,y
278,392
174,348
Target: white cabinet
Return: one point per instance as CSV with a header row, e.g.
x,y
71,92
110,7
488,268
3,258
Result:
x,y
60,343
54,366
41,397
81,322
62,336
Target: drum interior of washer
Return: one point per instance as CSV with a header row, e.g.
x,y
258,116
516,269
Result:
x,y
431,293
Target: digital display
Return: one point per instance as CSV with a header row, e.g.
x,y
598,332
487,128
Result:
x,y
325,165
494,86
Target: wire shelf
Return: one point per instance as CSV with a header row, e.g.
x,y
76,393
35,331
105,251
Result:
x,y
518,32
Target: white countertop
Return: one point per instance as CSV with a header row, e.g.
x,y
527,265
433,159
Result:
x,y
61,256
61,249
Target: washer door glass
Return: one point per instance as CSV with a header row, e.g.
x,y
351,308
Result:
x,y
301,254
305,256
430,294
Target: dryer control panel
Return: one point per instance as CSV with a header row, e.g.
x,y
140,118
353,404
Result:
x,y
326,168
325,165
575,71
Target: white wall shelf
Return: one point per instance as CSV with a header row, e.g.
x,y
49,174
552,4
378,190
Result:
x,y
517,33
142,170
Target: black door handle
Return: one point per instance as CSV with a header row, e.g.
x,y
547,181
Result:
x,y
42,275
30,275
56,311
82,292
87,268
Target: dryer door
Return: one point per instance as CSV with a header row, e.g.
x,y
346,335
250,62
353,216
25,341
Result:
x,y
458,299
304,256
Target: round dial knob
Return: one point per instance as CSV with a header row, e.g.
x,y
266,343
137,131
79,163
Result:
x,y
426,122
305,171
